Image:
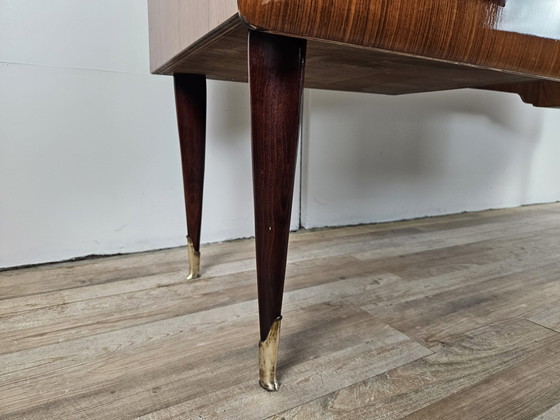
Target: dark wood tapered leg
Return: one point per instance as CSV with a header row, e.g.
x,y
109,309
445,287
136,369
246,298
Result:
x,y
190,101
276,72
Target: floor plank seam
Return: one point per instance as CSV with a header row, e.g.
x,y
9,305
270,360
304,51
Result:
x,y
84,286
540,325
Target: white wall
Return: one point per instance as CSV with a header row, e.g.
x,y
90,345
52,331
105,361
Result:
x,y
89,159
89,155
371,158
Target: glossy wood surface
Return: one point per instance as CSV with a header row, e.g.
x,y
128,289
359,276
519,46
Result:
x,y
377,46
513,35
223,56
190,101
276,70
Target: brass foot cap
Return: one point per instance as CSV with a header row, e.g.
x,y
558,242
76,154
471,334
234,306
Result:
x,y
268,355
194,260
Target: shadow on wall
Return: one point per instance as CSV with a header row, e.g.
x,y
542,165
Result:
x,y
228,189
227,207
370,158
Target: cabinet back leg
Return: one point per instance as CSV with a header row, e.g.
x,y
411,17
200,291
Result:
x,y
190,101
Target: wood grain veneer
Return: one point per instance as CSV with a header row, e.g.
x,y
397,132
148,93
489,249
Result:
x,y
380,46
472,32
221,54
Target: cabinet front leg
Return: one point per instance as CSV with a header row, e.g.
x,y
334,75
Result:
x,y
190,101
276,73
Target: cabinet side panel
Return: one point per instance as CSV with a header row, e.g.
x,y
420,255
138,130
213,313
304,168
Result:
x,y
176,24
220,11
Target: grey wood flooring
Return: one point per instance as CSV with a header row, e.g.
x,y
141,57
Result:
x,y
454,317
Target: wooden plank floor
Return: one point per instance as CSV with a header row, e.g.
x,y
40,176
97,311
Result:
x,y
454,317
